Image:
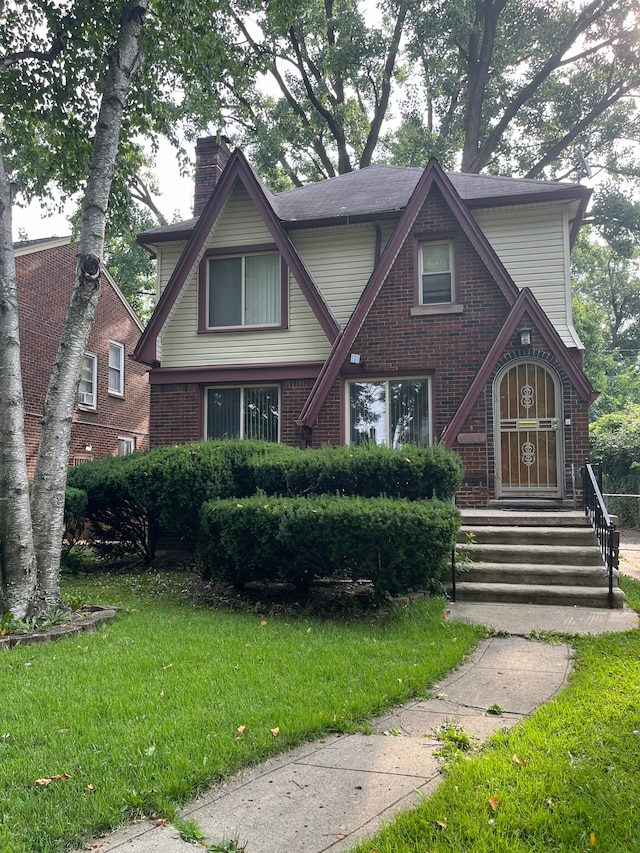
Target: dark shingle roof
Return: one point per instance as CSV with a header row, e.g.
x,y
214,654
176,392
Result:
x,y
383,190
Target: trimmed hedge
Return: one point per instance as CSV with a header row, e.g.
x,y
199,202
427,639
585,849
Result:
x,y
130,498
399,545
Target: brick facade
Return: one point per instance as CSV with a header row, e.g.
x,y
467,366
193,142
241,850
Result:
x,y
45,283
403,339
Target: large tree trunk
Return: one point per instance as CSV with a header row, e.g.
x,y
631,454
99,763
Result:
x,y
47,500
17,556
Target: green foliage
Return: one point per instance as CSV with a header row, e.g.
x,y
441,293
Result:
x,y
121,523
615,441
399,545
75,510
130,497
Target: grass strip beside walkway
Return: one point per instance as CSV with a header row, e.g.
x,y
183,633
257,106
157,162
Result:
x,y
172,697
565,780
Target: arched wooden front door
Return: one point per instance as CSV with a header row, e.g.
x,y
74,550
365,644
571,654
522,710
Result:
x,y
528,431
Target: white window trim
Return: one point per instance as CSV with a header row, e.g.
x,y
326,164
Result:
x,y
452,272
116,392
130,442
242,326
83,395
242,404
386,379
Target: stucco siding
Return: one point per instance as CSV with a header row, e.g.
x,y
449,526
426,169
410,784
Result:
x,y
340,261
533,246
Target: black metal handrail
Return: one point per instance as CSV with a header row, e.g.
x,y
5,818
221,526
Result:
x,y
594,506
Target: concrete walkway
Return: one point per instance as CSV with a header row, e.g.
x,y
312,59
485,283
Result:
x,y
327,795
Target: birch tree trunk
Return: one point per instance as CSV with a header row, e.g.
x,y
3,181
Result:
x,y
17,556
47,499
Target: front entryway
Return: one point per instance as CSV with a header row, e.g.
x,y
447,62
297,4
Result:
x,y
527,410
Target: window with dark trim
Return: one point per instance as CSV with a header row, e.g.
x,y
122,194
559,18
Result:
x,y
244,290
437,284
242,411
389,412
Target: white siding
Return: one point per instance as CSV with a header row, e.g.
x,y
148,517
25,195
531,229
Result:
x,y
533,245
340,261
182,346
168,256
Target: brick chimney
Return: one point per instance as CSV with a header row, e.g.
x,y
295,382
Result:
x,y
212,155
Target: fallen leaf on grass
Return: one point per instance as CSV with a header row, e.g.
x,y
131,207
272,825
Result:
x,y
592,839
241,731
551,804
494,802
275,732
442,824
42,783
519,761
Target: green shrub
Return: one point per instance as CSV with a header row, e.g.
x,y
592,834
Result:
x,y
75,508
399,545
120,522
615,441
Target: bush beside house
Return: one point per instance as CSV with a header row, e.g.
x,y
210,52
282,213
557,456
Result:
x,y
351,512
615,441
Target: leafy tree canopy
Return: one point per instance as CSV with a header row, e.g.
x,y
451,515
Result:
x,y
510,87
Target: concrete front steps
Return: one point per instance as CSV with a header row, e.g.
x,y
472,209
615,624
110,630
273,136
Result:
x,y
534,557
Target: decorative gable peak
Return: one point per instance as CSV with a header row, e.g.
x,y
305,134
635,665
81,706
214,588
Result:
x,y
212,155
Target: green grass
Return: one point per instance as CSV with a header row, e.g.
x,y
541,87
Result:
x,y
146,713
566,779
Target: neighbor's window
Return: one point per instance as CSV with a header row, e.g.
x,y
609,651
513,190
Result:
x,y
126,446
244,290
243,412
390,412
87,387
116,368
436,273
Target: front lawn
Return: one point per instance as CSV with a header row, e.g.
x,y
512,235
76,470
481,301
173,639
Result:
x,y
172,696
565,780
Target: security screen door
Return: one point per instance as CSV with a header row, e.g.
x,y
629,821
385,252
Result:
x,y
529,440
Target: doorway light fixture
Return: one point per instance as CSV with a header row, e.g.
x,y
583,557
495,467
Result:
x,y
525,337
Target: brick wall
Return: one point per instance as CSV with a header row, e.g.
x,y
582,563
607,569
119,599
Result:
x,y
45,284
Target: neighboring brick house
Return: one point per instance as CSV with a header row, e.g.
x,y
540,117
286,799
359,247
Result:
x,y
390,304
112,413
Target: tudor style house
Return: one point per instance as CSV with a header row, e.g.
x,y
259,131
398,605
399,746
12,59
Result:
x,y
111,416
395,305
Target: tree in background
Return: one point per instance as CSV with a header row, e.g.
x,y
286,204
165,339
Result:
x,y
75,103
509,87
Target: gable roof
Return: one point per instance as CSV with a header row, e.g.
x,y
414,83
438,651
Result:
x,y
236,170
433,176
384,191
525,304
46,244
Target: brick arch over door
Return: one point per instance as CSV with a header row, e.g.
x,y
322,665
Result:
x,y
528,393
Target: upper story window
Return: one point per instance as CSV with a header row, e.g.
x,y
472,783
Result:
x,y
244,290
88,376
116,368
436,273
